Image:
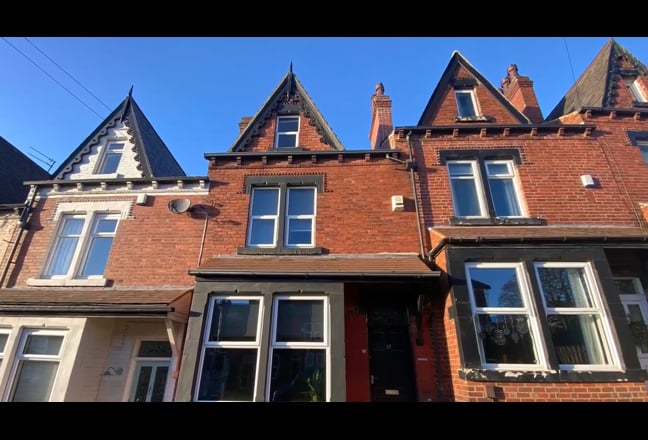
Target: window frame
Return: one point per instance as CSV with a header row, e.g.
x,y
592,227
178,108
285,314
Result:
x,y
83,246
279,135
472,101
21,358
282,184
638,95
108,153
3,347
207,344
640,139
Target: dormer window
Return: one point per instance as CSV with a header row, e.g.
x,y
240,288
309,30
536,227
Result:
x,y
466,103
635,88
111,157
287,132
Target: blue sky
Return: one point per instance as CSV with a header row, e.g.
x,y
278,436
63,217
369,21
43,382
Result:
x,y
54,91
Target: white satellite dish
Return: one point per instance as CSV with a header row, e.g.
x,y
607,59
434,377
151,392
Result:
x,y
179,206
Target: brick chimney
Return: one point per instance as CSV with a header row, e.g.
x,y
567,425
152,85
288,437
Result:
x,y
381,119
519,90
244,122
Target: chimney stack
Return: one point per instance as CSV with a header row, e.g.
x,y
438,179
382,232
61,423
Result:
x,y
519,91
381,119
244,122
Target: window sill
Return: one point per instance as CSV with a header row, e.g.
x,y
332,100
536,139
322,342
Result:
x,y
615,375
472,119
640,103
496,221
66,282
244,250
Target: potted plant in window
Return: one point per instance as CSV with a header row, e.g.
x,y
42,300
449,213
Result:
x,y
315,386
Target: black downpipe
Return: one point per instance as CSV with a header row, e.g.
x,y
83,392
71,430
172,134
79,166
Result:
x,y
416,205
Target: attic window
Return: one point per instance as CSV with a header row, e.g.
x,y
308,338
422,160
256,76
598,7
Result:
x,y
287,132
467,108
636,90
640,139
111,157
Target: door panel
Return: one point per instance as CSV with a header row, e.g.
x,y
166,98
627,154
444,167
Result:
x,y
390,354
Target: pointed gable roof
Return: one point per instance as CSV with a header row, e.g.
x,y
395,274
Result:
x,y
596,86
457,61
155,159
16,168
288,96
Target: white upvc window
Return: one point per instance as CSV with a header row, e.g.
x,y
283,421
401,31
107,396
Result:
x,y
577,320
109,161
230,350
36,365
635,88
299,352
290,223
287,132
510,325
82,245
466,103
472,199
4,336
504,317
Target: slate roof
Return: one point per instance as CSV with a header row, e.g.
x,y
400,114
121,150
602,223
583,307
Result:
x,y
290,97
320,266
596,87
16,168
155,159
455,61
92,300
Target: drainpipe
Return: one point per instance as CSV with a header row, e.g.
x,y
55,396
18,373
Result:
x,y
411,165
22,225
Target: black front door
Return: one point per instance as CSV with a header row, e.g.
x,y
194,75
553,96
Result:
x,y
391,365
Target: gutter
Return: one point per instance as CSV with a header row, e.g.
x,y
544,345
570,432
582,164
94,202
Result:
x,y
419,275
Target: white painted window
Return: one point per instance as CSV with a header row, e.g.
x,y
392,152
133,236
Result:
x,y
296,216
230,349
151,372
635,303
510,324
82,245
109,161
466,103
635,88
4,336
287,132
36,365
300,349
471,199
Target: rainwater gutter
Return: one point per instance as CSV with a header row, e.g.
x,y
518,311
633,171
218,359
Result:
x,y
412,167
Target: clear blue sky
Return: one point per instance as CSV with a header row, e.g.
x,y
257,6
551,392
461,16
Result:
x,y
195,90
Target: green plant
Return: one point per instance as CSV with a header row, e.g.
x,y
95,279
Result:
x,y
315,386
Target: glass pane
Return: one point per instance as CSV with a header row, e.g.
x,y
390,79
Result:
x,y
498,169
228,374
3,341
143,381
301,201
298,375
626,287
578,339
73,226
154,349
644,153
495,287
262,232
288,124
97,256
265,202
106,226
638,326
157,393
465,104
43,344
464,195
300,231
506,339
286,140
504,197
234,320
63,255
33,381
460,169
564,287
111,163
300,320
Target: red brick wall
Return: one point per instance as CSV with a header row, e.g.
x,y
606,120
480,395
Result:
x,y
353,213
154,247
308,139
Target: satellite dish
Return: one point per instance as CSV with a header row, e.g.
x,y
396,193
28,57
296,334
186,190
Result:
x,y
179,206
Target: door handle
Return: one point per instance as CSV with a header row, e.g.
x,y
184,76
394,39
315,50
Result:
x,y
372,379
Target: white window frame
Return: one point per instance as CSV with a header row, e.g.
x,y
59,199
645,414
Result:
x,y
82,247
112,149
280,134
21,358
281,345
275,218
610,348
512,176
477,184
473,100
289,218
207,344
527,309
3,347
148,361
636,90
